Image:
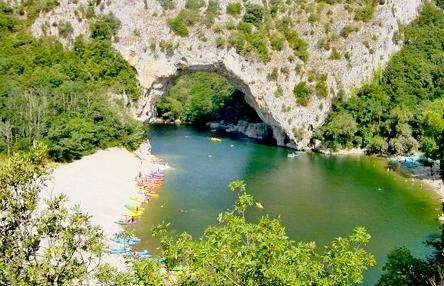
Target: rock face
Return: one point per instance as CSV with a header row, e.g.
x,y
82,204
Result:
x,y
260,131
159,56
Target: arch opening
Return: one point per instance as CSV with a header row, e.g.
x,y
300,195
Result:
x,y
207,98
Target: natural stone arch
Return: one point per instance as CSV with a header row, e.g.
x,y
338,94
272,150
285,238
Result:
x,y
145,110
144,36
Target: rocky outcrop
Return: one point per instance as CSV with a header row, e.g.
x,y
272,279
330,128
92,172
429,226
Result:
x,y
259,131
159,55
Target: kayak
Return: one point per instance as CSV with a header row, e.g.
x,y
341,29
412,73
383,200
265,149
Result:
x,y
126,240
215,139
124,222
134,209
143,254
133,214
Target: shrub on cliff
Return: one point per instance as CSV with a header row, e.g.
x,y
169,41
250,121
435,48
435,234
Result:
x,y
254,14
105,27
302,93
234,8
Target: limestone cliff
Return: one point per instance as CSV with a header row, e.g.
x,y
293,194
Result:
x,y
341,48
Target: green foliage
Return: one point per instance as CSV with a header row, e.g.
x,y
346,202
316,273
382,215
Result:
x,y
339,132
42,243
238,252
298,45
234,8
276,42
195,97
402,268
194,4
42,83
377,145
185,18
402,108
167,4
105,27
366,12
212,12
65,29
302,93
254,14
34,7
348,29
321,87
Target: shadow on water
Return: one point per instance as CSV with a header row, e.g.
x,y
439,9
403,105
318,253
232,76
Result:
x,y
317,197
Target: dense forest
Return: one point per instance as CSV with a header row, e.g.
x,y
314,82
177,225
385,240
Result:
x,y
195,96
64,97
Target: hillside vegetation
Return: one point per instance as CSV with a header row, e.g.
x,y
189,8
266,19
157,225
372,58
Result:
x,y
402,109
63,96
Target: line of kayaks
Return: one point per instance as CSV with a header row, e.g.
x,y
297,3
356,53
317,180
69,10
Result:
x,y
124,244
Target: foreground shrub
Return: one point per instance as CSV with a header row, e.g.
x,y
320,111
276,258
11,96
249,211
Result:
x,y
42,243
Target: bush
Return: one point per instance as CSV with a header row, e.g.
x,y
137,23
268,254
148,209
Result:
x,y
321,87
105,27
167,4
194,4
234,8
298,45
302,93
277,43
377,145
249,253
185,18
254,14
65,29
347,30
367,11
339,131
178,27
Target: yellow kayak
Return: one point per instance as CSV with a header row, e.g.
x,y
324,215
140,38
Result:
x,y
133,213
215,139
259,205
138,199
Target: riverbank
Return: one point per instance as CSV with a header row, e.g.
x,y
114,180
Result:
x,y
102,183
428,175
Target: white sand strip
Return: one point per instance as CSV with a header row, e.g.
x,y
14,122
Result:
x,y
102,183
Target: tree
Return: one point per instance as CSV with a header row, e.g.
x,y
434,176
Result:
x,y
41,244
402,268
238,252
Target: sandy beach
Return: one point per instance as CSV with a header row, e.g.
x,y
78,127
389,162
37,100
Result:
x,y
102,183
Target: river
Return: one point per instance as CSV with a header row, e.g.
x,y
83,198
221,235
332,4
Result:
x,y
317,197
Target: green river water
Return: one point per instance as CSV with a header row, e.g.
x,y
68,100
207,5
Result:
x,y
317,197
